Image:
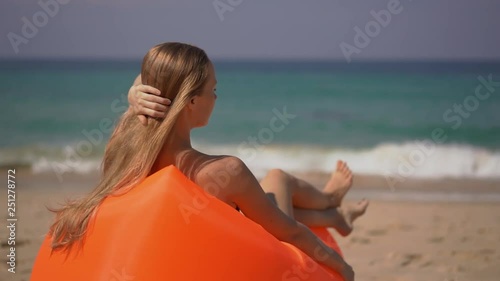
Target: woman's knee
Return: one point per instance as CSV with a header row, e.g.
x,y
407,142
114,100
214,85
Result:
x,y
279,180
276,174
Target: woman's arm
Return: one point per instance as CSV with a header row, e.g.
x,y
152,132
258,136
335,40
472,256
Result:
x,y
241,187
145,101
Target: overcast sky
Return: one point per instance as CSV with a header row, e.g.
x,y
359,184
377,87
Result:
x,y
279,29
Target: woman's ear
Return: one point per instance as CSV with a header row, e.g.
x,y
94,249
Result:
x,y
192,102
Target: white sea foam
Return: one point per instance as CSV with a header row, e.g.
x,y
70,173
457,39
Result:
x,y
406,160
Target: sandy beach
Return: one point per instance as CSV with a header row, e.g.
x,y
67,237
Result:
x,y
406,93
405,235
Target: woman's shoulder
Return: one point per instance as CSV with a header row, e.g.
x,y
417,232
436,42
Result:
x,y
216,173
209,167
221,165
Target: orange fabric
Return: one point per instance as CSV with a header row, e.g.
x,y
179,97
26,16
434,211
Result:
x,y
168,228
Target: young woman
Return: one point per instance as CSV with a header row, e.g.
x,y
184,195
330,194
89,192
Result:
x,y
184,74
295,197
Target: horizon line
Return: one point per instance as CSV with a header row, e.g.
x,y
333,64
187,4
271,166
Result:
x,y
260,60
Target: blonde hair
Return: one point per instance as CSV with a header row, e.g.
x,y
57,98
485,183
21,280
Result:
x,y
179,71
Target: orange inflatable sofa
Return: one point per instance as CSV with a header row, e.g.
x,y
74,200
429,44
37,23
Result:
x,y
168,228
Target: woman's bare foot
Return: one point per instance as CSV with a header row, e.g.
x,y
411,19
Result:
x,y
349,214
339,183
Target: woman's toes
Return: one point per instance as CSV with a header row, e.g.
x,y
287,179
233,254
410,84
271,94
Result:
x,y
342,168
339,165
347,169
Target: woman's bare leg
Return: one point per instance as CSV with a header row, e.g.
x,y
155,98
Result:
x,y
277,184
306,196
340,218
285,189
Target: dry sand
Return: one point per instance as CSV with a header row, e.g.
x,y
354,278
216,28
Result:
x,y
398,239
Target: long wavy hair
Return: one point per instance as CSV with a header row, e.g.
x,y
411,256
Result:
x,y
179,71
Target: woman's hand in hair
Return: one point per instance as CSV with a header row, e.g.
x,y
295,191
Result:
x,y
145,101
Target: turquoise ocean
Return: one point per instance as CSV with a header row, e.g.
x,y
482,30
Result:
x,y
412,119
